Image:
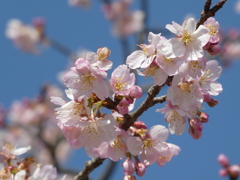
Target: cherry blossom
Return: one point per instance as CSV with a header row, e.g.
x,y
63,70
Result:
x,y
122,80
143,58
25,37
150,146
86,79
189,41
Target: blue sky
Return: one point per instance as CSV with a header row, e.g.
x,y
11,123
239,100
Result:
x,y
23,74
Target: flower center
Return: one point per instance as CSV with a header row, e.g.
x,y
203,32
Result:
x,y
151,70
206,76
193,65
118,84
87,81
168,61
213,29
187,38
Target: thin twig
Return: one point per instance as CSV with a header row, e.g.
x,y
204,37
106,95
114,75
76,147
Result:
x,y
60,48
207,12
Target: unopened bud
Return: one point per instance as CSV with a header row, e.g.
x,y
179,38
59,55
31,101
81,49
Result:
x,y
136,92
195,134
196,124
123,106
140,169
103,53
207,97
128,166
212,103
204,117
223,160
215,49
139,125
223,173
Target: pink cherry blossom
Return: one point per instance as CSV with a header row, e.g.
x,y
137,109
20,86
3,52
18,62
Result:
x,y
207,81
174,150
116,148
184,93
100,59
150,146
122,80
192,68
86,79
175,117
213,27
189,41
158,74
143,58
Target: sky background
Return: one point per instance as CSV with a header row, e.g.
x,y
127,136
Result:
x,y
22,74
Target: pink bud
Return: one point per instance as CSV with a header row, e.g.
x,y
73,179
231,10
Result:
x,y
234,170
135,92
196,124
207,46
213,50
10,168
207,97
129,177
223,172
212,103
195,134
123,106
129,167
38,22
140,169
223,160
204,117
140,125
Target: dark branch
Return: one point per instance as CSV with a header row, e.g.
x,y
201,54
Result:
x,y
207,6
89,167
207,12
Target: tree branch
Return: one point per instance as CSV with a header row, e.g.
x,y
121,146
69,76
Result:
x,y
207,12
89,167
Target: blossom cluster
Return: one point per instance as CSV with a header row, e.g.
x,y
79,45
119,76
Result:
x,y
25,169
181,59
232,171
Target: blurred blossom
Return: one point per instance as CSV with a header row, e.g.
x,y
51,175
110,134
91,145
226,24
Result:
x,y
24,37
237,7
125,22
79,3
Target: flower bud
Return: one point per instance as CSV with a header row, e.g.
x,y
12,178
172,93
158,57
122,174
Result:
x,y
207,97
223,172
234,170
204,117
196,124
223,160
195,134
213,50
128,166
212,102
123,106
103,53
139,125
136,92
140,169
